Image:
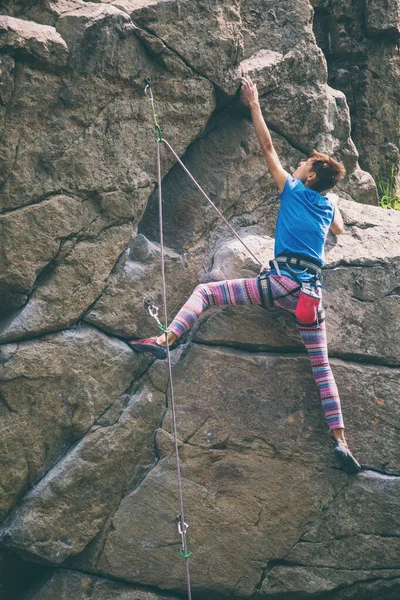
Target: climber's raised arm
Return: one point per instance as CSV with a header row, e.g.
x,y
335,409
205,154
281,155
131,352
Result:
x,y
250,97
337,225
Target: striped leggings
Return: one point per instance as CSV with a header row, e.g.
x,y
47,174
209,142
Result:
x,y
245,291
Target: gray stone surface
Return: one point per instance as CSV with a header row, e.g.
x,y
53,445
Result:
x,y
285,581
357,537
87,474
360,42
122,308
39,41
45,12
54,521
52,391
250,461
66,135
87,123
46,226
66,585
7,81
268,25
208,35
383,16
371,590
69,286
229,166
17,576
217,505
284,104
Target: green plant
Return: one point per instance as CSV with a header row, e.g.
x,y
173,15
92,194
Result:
x,y
388,195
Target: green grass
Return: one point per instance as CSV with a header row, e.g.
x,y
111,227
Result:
x,y
388,194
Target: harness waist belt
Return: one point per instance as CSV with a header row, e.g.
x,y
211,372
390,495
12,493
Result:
x,y
297,262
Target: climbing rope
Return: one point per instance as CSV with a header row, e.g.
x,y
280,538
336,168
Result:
x,y
153,311
182,525
212,203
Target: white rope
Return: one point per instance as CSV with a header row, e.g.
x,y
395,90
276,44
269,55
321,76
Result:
x,y
212,203
182,526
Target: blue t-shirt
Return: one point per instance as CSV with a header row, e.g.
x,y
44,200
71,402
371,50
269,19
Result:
x,y
303,221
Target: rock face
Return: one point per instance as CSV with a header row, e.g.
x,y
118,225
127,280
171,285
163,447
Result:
x,y
52,392
361,45
88,489
70,584
39,41
249,463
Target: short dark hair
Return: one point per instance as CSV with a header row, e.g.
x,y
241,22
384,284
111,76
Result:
x,y
328,171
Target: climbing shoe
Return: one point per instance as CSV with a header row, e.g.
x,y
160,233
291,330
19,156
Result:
x,y
149,345
346,460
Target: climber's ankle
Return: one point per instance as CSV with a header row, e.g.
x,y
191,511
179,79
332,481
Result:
x,y
338,434
171,339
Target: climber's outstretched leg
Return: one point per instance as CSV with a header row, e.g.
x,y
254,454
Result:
x,y
232,292
314,339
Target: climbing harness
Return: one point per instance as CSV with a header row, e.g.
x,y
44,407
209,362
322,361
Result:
x,y
298,262
264,288
308,310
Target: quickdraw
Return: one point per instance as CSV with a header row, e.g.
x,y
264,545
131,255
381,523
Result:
x,y
182,532
148,91
153,312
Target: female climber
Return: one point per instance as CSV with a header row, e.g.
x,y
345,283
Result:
x,y
293,282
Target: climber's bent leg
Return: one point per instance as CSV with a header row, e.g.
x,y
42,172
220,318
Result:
x,y
232,292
